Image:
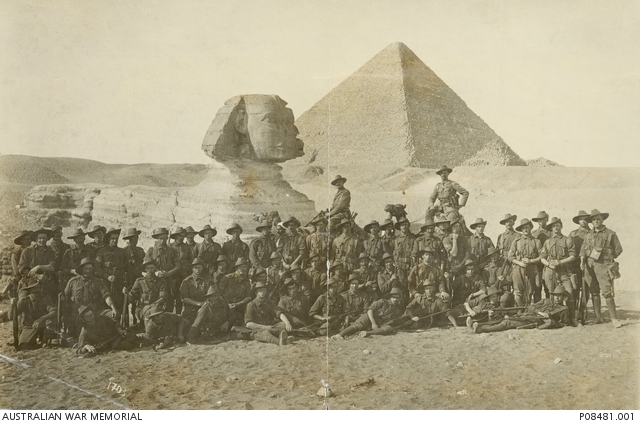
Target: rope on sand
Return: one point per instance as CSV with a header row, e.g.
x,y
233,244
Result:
x,y
57,380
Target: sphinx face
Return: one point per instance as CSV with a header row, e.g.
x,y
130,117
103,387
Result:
x,y
270,128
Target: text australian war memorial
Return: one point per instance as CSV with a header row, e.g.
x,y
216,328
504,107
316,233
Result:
x,y
242,255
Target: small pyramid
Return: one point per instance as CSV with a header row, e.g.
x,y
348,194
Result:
x,y
395,111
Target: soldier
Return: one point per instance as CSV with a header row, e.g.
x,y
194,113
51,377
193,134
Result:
x,y
318,242
456,245
222,271
212,317
190,235
266,319
22,242
479,244
374,246
194,290
236,289
346,248
403,245
111,266
424,274
482,307
260,249
185,252
291,246
317,275
428,239
599,251
364,272
72,257
149,290
164,328
451,195
134,257
503,244
168,262
37,314
59,248
389,235
525,254
295,304
101,333
557,254
427,302
582,290
40,259
541,234
355,300
97,234
339,210
85,289
390,276
276,273
377,317
209,250
496,275
329,309
469,285
235,248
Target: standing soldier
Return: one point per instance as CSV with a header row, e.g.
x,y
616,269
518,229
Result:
x,y
72,257
457,247
111,266
403,245
346,248
428,240
149,290
557,254
190,235
185,251
541,234
317,275
291,245
59,248
223,269
525,255
97,234
599,251
235,248
40,259
22,242
134,256
389,235
450,194
341,201
496,275
194,290
168,261
318,242
479,244
276,273
209,250
582,291
260,249
374,245
504,241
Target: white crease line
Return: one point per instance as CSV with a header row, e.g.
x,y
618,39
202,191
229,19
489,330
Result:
x,y
57,380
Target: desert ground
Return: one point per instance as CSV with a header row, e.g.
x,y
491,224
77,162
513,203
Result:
x,y
589,367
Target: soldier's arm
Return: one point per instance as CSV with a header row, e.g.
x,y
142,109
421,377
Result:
x,y
571,252
538,248
464,194
253,256
434,196
176,263
341,202
544,253
616,246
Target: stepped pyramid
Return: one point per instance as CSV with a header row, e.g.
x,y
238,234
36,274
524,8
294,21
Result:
x,y
395,111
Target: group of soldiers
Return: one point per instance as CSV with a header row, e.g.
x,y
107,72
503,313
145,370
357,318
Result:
x,y
328,278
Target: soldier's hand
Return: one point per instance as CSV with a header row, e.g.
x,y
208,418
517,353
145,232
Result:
x,y
36,325
500,277
374,326
447,274
525,260
288,327
473,313
111,278
581,266
89,348
415,319
225,327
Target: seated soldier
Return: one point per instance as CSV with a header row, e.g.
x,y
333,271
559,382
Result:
x,y
236,289
481,308
301,279
101,333
194,290
330,310
149,290
36,314
364,272
295,304
212,318
355,300
266,319
372,292
316,273
390,276
426,303
377,318
469,285
163,328
547,313
221,271
424,273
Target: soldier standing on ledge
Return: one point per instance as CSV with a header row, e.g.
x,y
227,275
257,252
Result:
x,y
341,201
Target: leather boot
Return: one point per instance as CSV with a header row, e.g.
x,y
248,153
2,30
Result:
x,y
572,313
596,309
611,305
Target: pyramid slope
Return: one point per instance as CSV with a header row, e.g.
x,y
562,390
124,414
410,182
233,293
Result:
x,y
394,111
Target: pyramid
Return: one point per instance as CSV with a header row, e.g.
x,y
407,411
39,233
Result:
x,y
395,111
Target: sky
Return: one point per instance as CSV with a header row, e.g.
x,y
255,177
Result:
x,y
140,81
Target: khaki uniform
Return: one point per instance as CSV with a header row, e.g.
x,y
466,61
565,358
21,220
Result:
x,y
525,279
346,249
233,250
479,247
111,261
402,251
260,250
168,259
605,246
424,242
331,306
452,196
291,246
558,248
148,290
194,288
425,275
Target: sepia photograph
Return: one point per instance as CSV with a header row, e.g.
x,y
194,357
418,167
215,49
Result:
x,y
312,205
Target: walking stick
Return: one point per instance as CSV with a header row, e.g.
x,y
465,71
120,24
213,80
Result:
x,y
14,313
125,310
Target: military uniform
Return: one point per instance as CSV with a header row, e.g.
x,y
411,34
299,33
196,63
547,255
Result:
x,y
340,206
260,251
70,261
425,275
385,283
422,305
234,249
186,257
525,279
456,262
165,329
105,335
318,281
529,318
111,261
85,291
264,312
383,312
479,245
209,253
318,244
605,245
235,289
296,308
35,255
291,246
210,318
168,259
346,249
355,302
402,251
30,309
194,288
374,247
452,196
426,242
463,286
148,290
331,306
133,257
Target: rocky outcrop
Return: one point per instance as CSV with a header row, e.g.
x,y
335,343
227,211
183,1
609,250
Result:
x,y
495,153
541,162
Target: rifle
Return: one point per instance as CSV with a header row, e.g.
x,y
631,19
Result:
x,y
59,320
124,318
14,313
403,316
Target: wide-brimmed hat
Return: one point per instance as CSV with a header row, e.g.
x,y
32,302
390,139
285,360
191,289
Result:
x,y
441,220
153,310
491,251
146,261
508,217
395,292
493,290
541,215
371,224
178,231
95,229
241,261
401,221
84,262
469,263
426,249
207,228
332,281
318,219
385,257
190,230
314,255
558,290
479,221
292,219
159,231
336,264
260,285
34,282
288,282
77,233
523,223
258,271
23,234
261,227
444,168
234,226
428,223
112,231
343,223
353,277
386,224
131,232
197,261
363,256
222,258
338,178
213,289
274,255
554,220
34,234
581,214
596,212
55,228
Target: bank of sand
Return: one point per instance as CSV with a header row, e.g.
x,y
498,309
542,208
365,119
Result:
x,y
433,369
